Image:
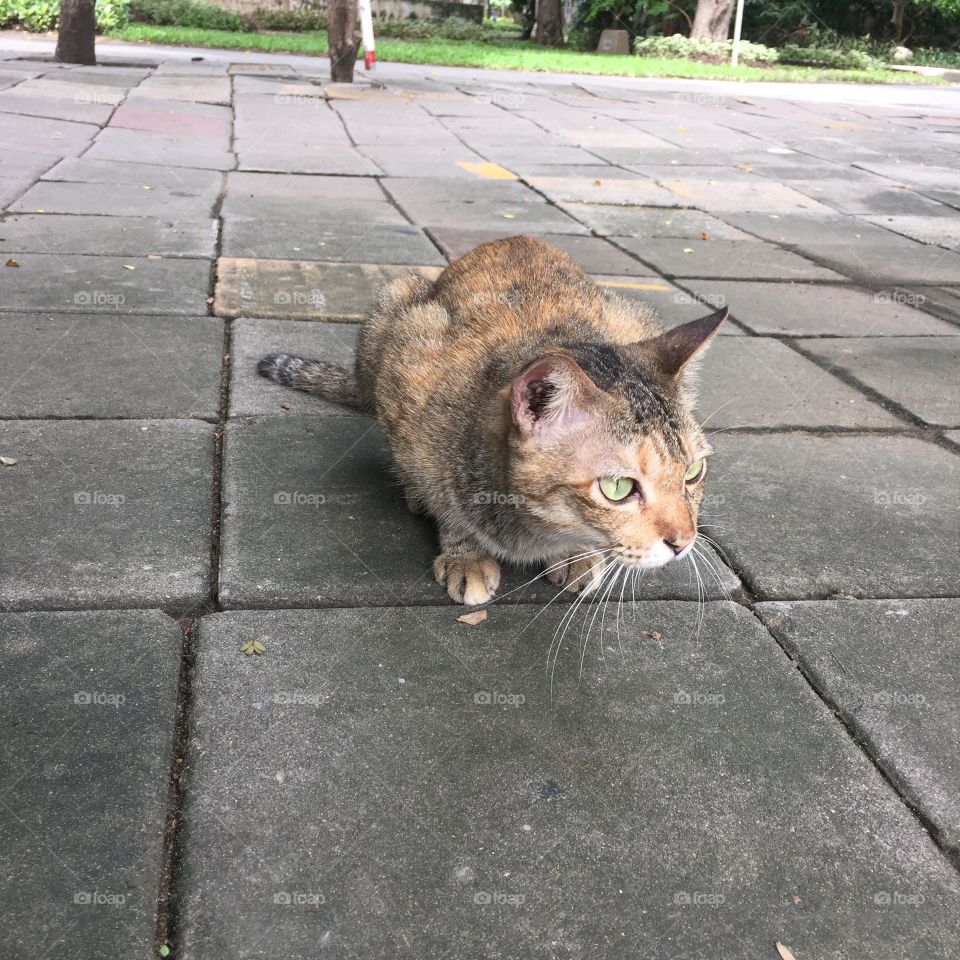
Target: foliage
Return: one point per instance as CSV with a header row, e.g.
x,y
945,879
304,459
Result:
x,y
710,51
929,57
185,13
41,15
824,57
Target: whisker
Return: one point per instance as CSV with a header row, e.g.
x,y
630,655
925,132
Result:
x,y
715,412
543,573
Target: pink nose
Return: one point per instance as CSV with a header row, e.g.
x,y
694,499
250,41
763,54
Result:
x,y
678,542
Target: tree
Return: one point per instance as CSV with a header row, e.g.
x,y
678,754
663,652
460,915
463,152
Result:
x,y
550,23
343,39
712,20
78,30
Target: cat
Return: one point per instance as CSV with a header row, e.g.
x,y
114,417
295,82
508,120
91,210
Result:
x,y
534,415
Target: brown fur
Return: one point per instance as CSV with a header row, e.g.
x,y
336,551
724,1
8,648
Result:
x,y
506,388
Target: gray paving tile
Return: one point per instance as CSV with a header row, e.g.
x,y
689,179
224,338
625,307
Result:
x,y
65,283
445,160
184,182
330,476
536,814
106,514
338,240
921,374
609,221
80,111
807,516
804,309
890,668
285,196
870,199
758,382
89,704
202,89
108,235
450,190
47,136
302,289
26,164
490,216
11,190
672,304
942,231
894,260
746,193
206,153
257,154
632,193
117,200
252,395
723,259
97,366
809,230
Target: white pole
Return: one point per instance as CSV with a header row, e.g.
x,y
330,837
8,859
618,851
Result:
x,y
736,34
366,32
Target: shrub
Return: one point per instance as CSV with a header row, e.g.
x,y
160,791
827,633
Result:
x,y
834,59
714,51
294,21
41,15
185,13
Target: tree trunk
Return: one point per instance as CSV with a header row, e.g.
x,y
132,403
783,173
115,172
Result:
x,y
343,39
899,9
78,30
550,23
712,20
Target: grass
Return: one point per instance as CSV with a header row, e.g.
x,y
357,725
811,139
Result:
x,y
503,55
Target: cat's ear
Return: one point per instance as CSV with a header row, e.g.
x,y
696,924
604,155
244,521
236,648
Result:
x,y
673,350
551,395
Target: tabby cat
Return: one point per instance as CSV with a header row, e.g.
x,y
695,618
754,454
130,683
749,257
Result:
x,y
535,416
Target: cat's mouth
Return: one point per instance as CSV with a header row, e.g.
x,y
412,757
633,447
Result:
x,y
650,558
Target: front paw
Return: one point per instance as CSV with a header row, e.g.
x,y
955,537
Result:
x,y
578,575
470,580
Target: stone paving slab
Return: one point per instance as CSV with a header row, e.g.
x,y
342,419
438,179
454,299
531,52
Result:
x,y
26,165
870,199
435,798
10,190
302,289
106,514
942,231
672,304
338,240
644,222
897,260
451,190
114,236
207,153
879,491
617,192
203,121
55,89
97,366
252,395
810,230
259,155
724,259
920,374
807,309
39,106
491,216
732,194
445,161
64,283
50,136
202,185
91,697
759,382
313,517
907,721
202,89
278,195
118,200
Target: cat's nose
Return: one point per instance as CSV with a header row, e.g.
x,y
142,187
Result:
x,y
678,542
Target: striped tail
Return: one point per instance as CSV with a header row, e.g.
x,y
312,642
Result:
x,y
318,377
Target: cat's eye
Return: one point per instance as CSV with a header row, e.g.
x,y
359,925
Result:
x,y
694,471
617,488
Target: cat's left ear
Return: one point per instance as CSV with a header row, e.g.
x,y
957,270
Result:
x,y
552,395
676,348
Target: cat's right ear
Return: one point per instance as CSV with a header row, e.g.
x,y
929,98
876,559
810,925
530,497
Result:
x,y
552,395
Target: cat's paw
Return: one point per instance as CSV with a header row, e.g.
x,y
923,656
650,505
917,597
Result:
x,y
579,575
470,580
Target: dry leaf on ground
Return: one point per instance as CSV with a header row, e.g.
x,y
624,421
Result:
x,y
785,952
473,618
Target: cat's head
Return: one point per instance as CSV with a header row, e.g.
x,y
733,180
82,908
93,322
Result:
x,y
604,449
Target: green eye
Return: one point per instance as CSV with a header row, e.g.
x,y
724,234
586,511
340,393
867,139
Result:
x,y
694,471
617,488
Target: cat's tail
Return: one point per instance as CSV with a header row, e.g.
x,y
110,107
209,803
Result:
x,y
318,377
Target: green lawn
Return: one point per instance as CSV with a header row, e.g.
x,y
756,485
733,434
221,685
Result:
x,y
502,55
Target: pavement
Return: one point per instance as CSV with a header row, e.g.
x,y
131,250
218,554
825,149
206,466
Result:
x,y
763,752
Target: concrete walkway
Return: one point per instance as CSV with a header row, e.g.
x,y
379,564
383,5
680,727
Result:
x,y
779,764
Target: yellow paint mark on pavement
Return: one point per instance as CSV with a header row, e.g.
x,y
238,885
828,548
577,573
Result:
x,y
633,286
489,171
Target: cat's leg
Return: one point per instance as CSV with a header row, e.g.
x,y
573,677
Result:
x,y
576,575
468,572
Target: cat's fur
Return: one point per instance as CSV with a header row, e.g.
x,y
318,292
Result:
x,y
506,389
